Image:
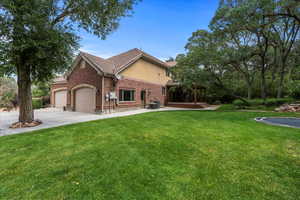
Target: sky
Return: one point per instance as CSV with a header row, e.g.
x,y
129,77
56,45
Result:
x,y
158,27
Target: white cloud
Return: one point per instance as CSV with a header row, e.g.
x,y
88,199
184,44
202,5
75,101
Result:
x,y
101,54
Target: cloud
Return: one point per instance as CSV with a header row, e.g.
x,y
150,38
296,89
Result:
x,y
101,54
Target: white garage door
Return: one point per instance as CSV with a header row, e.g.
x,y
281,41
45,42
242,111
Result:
x,y
85,100
60,99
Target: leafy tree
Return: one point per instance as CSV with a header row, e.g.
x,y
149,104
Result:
x,y
38,37
249,16
8,91
41,89
204,64
285,9
286,31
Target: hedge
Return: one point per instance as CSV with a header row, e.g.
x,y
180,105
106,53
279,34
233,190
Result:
x,y
258,102
37,103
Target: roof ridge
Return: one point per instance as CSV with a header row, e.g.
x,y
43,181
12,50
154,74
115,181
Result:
x,y
91,55
134,49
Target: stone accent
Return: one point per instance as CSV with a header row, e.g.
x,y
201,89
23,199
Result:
x,y
289,108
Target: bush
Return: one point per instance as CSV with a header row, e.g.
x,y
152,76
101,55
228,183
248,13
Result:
x,y
259,102
46,100
226,107
37,103
294,89
239,103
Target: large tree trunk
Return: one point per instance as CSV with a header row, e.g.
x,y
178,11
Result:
x,y
195,96
281,80
24,94
263,85
263,81
249,89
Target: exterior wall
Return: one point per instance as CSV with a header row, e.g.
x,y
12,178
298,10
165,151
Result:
x,y
153,92
146,71
84,76
147,79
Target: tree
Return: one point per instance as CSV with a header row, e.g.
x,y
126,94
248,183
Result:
x,y
205,64
285,9
38,37
286,31
249,15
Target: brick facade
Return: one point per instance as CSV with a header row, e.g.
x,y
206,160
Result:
x,y
88,76
56,87
153,92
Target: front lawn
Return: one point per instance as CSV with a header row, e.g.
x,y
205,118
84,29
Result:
x,y
165,155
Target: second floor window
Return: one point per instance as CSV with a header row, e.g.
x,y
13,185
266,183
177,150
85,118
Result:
x,y
126,95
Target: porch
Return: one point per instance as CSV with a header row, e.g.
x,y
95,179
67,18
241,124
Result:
x,y
181,97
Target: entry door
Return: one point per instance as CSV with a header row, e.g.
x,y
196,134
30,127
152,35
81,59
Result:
x,y
143,98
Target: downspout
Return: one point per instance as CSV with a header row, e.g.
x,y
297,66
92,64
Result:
x,y
102,94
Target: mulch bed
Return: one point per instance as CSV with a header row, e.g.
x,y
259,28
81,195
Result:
x,y
25,124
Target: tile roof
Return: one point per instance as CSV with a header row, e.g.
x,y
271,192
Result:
x,y
104,65
171,63
119,62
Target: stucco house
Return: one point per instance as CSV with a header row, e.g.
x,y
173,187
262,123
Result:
x,y
128,80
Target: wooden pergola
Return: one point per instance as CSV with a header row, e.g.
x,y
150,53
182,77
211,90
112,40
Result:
x,y
180,94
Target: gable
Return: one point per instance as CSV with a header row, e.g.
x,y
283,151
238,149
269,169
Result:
x,y
78,61
146,71
82,69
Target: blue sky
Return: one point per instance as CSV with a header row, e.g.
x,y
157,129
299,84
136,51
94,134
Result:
x,y
158,27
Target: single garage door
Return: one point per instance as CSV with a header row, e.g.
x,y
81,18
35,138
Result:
x,y
60,98
85,100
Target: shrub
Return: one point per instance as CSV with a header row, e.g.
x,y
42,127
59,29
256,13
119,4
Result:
x,y
226,107
239,103
294,89
37,103
46,100
259,102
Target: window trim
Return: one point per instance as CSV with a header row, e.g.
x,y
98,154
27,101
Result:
x,y
125,89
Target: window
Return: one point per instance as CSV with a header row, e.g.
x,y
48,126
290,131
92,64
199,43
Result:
x,y
126,95
163,89
168,73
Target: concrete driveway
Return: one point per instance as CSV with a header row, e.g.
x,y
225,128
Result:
x,y
54,118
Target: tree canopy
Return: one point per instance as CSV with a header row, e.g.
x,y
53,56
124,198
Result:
x,y
38,37
250,46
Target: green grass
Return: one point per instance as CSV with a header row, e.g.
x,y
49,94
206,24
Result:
x,y
164,155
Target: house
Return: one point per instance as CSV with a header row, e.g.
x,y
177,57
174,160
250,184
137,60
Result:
x,y
128,80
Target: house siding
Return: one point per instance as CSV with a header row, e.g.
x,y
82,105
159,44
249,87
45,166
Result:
x,y
146,71
88,75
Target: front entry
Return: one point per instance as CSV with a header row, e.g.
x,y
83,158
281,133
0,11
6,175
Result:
x,y
85,100
143,98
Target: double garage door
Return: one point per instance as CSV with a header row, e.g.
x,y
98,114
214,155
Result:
x,y
85,100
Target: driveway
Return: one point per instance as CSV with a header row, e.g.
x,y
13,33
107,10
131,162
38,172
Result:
x,y
54,118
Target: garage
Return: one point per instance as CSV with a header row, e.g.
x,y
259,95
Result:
x,y
60,98
85,100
